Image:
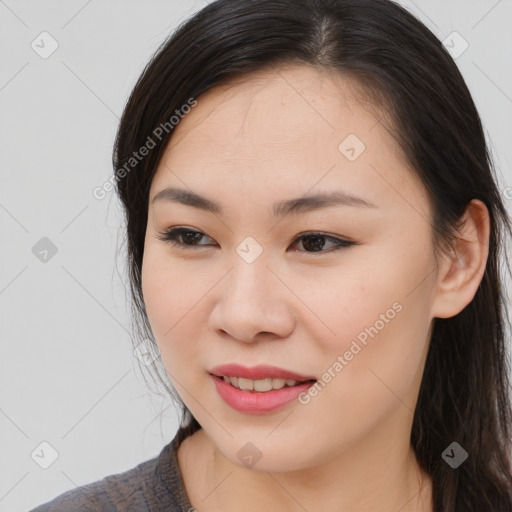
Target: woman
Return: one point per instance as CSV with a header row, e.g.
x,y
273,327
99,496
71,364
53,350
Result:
x,y
314,231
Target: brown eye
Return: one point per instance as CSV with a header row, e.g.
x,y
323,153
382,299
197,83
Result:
x,y
316,242
182,237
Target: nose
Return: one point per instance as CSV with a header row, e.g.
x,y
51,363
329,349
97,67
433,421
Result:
x,y
252,304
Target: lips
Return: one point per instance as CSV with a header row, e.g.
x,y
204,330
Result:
x,y
258,401
258,372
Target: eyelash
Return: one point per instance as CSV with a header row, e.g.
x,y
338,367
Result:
x,y
170,235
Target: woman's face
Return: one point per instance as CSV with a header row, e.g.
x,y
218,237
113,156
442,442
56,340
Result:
x,y
249,288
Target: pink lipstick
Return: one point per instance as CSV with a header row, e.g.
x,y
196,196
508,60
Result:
x,y
264,388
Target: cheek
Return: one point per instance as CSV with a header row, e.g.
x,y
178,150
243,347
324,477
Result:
x,y
173,300
168,289
347,303
380,317
382,358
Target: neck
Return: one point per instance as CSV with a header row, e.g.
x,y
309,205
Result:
x,y
370,476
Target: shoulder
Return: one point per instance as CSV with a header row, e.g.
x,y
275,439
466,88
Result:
x,y
121,491
92,497
136,490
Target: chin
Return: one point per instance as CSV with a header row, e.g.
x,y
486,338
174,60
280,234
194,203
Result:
x,y
266,455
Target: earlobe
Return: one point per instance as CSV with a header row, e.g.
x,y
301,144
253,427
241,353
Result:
x,y
461,270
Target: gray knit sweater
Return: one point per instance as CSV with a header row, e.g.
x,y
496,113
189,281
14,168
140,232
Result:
x,y
152,486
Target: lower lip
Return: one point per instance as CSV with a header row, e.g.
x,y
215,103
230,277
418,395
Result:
x,y
253,402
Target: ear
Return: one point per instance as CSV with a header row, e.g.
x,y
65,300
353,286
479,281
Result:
x,y
461,271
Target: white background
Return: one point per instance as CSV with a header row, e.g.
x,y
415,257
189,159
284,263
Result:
x,y
68,375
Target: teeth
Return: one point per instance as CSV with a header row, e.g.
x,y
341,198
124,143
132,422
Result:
x,y
278,383
260,385
246,384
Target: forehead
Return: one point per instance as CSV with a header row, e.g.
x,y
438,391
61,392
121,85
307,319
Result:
x,y
287,127
281,107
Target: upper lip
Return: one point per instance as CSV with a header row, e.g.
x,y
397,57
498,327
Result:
x,y
258,372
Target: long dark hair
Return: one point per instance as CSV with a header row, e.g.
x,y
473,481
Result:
x,y
405,70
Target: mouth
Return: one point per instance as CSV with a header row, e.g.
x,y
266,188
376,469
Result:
x,y
258,390
259,379
261,385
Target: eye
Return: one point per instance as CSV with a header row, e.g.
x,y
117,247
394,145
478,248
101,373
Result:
x,y
314,242
189,237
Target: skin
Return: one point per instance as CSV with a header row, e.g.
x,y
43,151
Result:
x,y
271,136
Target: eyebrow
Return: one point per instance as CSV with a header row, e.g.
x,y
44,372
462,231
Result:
x,y
280,209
